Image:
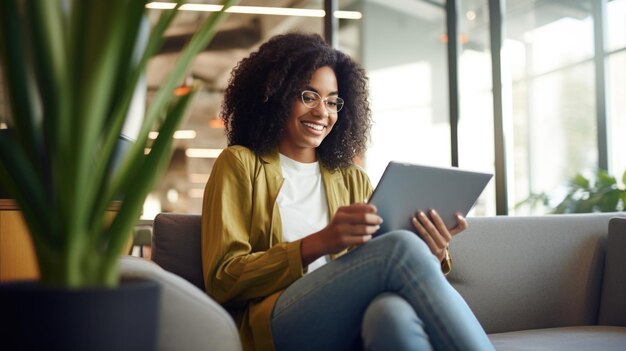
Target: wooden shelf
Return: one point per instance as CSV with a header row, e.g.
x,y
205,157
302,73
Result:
x,y
17,253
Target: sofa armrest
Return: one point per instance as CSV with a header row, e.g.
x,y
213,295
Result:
x,y
189,319
613,303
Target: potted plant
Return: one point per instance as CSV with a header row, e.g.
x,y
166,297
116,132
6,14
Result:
x,y
70,68
596,191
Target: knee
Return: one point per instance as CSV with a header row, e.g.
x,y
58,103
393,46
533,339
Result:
x,y
408,249
389,323
387,311
407,241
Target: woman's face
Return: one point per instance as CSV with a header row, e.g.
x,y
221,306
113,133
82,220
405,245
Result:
x,y
307,127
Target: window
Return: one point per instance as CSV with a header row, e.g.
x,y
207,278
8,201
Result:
x,y
548,54
408,83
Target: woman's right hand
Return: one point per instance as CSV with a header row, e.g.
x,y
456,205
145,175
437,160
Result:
x,y
351,225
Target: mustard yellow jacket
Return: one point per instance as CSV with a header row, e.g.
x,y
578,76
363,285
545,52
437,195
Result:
x,y
246,264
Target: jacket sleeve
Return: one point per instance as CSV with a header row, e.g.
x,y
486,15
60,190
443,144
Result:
x,y
234,275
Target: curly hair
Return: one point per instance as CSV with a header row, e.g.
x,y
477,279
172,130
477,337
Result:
x,y
263,87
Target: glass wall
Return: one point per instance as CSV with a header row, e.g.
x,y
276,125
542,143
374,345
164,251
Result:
x,y
549,51
408,83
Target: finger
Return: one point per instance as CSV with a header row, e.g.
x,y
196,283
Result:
x,y
435,249
361,230
358,208
360,240
440,225
461,224
360,218
431,229
425,235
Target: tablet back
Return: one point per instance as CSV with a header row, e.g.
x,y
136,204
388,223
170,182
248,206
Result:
x,y
407,188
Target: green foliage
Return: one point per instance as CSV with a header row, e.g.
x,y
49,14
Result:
x,y
598,192
70,72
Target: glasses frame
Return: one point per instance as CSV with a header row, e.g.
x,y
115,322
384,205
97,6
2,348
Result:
x,y
339,101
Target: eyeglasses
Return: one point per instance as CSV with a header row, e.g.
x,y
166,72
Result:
x,y
312,99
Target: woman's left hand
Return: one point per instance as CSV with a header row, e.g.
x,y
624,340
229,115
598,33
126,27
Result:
x,y
434,232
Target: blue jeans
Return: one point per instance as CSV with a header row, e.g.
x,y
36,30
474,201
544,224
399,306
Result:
x,y
388,294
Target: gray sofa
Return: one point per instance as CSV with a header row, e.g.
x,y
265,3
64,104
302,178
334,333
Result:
x,y
553,282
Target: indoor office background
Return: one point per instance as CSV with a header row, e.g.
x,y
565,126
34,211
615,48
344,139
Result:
x,y
535,89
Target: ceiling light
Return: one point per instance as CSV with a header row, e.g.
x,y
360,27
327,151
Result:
x,y
203,153
185,134
216,123
179,134
348,14
255,10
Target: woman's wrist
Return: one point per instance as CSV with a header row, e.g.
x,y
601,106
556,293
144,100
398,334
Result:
x,y
310,249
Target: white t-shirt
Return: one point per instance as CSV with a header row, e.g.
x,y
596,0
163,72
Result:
x,y
302,202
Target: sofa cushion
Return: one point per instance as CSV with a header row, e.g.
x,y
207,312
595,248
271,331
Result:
x,y
519,273
583,338
176,241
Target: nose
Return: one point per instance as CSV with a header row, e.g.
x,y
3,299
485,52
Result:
x,y
320,109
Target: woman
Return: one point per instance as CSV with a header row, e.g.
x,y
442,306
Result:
x,y
286,238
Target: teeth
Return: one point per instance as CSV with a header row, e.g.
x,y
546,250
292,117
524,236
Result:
x,y
317,127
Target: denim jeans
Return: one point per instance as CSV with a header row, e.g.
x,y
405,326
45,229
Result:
x,y
388,294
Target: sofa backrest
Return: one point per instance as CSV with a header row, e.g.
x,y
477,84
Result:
x,y
519,273
176,241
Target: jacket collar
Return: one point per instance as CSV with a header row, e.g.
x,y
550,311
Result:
x,y
273,172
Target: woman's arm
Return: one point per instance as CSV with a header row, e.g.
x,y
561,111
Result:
x,y
238,264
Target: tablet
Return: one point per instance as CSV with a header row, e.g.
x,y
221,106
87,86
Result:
x,y
406,188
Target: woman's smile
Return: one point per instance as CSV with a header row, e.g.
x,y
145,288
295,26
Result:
x,y
315,128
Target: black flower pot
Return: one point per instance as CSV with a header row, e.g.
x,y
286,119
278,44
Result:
x,y
36,317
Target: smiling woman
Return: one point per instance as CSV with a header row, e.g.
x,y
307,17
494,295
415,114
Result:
x,y
283,206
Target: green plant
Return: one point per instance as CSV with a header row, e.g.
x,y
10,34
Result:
x,y
70,71
597,192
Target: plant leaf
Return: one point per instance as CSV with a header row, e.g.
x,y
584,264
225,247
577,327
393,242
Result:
x,y
197,43
150,167
605,180
608,202
21,182
580,181
117,118
18,80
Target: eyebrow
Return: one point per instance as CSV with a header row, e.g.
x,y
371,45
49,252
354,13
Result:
x,y
308,87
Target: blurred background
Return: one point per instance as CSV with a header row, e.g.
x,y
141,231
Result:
x,y
531,90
